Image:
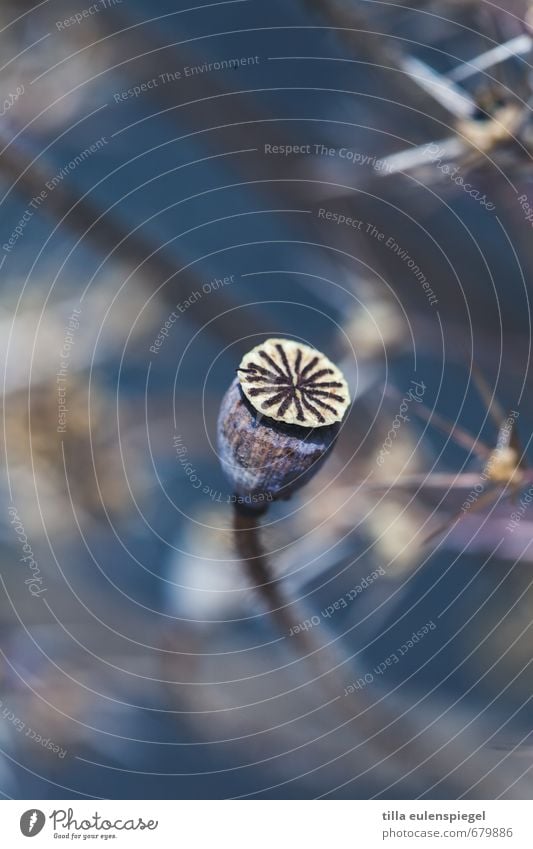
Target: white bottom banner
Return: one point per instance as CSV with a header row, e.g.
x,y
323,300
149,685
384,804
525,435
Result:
x,y
264,824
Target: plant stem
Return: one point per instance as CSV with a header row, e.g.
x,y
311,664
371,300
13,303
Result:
x,y
386,736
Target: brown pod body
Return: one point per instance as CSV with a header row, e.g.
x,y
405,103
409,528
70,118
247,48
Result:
x,y
265,459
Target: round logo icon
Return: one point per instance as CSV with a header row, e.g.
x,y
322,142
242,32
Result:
x,y
32,822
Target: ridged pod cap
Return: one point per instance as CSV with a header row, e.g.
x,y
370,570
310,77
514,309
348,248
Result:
x,y
279,419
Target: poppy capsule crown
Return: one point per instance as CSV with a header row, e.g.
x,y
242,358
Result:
x,y
279,419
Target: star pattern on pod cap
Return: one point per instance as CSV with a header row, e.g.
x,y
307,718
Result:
x,y
293,383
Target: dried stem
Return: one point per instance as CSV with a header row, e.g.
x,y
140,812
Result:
x,y
110,237
250,549
385,737
286,614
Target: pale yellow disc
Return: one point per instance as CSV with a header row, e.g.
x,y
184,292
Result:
x,y
293,383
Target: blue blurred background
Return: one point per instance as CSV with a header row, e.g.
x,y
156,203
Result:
x,y
147,659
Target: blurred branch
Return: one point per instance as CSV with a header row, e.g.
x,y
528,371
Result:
x,y
115,239
381,52
231,117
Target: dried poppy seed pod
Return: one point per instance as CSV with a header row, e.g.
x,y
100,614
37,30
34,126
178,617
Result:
x,y
279,419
